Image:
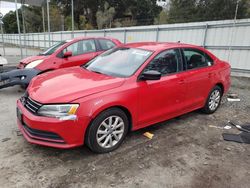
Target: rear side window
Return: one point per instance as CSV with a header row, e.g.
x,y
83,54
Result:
x,y
196,59
81,47
106,44
166,62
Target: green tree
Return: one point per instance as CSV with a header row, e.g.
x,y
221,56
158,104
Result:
x,y
206,10
183,11
86,8
162,17
10,24
143,11
105,17
32,17
55,18
221,10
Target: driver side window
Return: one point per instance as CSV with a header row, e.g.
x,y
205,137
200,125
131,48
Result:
x,y
81,47
166,62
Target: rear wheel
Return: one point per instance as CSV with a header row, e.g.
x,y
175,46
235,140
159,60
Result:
x,y
107,131
213,100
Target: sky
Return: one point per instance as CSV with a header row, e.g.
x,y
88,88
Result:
x,y
5,7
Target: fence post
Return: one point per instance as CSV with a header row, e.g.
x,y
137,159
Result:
x,y
38,41
125,36
157,34
205,36
52,39
33,40
3,40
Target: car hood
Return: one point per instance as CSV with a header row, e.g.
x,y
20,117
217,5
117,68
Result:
x,y
67,85
33,58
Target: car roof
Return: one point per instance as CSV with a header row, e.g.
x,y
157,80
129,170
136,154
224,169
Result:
x,y
81,38
158,46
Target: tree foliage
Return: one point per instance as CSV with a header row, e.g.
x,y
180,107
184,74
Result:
x,y
32,17
93,14
206,10
10,24
162,18
105,17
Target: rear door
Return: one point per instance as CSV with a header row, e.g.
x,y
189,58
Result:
x,y
199,71
164,98
82,52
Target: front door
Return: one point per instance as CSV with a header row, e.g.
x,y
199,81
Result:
x,y
162,99
82,52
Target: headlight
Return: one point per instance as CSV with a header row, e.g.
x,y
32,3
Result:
x,y
33,64
60,111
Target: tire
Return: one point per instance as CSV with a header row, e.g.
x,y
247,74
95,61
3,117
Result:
x,y
213,100
107,131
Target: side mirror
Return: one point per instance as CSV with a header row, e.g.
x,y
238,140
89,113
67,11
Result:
x,y
151,75
67,54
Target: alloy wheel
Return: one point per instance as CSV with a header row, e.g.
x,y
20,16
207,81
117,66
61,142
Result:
x,y
110,131
214,100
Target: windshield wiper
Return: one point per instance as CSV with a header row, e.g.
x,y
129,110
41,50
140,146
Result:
x,y
98,72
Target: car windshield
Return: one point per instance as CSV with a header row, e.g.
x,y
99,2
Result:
x,y
119,62
53,48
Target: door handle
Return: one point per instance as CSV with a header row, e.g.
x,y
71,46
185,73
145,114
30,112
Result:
x,y
181,82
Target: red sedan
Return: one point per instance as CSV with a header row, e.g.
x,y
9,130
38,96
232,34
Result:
x,y
69,53
124,89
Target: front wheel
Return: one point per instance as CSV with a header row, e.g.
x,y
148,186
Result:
x,y
213,100
107,131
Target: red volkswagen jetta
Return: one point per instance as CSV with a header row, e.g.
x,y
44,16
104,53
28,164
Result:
x,y
125,88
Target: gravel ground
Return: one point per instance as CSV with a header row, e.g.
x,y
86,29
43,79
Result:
x,y
184,152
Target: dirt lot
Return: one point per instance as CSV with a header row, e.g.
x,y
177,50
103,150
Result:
x,y
185,152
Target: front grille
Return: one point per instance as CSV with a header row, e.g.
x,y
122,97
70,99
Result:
x,y
31,105
42,135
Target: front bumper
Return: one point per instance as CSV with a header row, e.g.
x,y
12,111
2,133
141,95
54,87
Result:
x,y
51,132
17,77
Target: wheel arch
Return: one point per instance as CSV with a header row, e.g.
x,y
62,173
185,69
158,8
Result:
x,y
123,108
221,86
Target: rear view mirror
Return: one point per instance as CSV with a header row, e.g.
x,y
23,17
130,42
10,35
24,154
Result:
x,y
67,54
151,75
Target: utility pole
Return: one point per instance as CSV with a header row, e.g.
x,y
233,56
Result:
x,y
233,30
48,16
72,15
19,31
24,29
